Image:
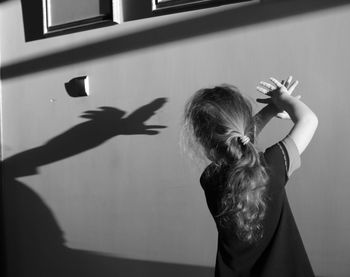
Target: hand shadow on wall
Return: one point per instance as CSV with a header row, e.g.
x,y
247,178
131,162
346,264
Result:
x,y
35,242
103,124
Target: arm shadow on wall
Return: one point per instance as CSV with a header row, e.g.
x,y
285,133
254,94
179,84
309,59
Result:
x,y
163,33
35,244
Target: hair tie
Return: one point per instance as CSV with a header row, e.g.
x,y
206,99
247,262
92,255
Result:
x,y
244,139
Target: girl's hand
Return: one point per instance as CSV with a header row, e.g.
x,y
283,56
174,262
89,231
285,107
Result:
x,y
275,91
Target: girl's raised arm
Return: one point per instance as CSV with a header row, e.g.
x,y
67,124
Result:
x,y
305,121
269,111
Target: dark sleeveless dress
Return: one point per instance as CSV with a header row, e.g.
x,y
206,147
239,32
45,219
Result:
x,y
280,252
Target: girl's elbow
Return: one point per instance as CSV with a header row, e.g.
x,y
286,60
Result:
x,y
314,120
311,120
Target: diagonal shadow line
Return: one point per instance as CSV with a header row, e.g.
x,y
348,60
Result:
x,y
195,27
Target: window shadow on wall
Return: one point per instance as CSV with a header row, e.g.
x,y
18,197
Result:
x,y
227,19
35,244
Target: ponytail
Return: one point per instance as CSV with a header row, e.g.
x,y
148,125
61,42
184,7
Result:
x,y
220,122
242,196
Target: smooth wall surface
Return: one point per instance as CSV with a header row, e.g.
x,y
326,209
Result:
x,y
89,195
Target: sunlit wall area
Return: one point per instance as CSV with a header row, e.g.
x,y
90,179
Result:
x,y
102,177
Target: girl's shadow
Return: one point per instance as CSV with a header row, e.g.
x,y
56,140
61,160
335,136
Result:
x,y
35,245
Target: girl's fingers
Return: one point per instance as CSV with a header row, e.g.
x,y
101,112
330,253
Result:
x,y
293,86
277,83
262,90
264,100
283,115
287,83
267,85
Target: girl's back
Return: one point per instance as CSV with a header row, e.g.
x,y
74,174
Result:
x,y
280,251
244,189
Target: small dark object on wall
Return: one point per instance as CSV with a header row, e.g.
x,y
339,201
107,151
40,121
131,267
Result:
x,y
78,87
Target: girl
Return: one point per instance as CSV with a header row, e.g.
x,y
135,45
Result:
x,y
244,189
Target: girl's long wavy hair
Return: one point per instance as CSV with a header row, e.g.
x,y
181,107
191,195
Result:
x,y
215,122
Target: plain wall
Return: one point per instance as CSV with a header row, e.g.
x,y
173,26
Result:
x,y
99,189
